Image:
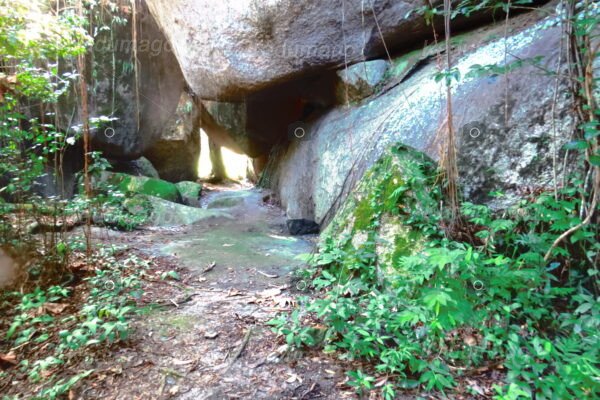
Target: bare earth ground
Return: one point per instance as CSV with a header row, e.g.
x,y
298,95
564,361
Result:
x,y
210,340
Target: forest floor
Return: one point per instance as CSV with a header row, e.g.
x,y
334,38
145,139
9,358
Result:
x,y
210,338
209,290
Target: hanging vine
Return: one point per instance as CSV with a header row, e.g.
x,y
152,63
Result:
x,y
135,61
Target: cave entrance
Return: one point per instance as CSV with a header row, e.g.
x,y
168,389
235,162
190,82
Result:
x,y
218,164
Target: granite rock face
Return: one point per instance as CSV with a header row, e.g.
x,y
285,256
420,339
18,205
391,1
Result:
x,y
231,48
176,150
128,112
503,122
255,77
360,80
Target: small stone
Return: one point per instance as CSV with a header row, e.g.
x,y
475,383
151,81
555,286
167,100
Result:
x,y
190,193
210,334
361,80
302,226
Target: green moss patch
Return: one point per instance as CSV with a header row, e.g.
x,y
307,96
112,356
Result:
x,y
398,189
144,185
190,192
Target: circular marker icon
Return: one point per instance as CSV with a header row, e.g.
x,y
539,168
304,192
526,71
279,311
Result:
x,y
109,133
475,132
109,285
301,285
478,285
299,132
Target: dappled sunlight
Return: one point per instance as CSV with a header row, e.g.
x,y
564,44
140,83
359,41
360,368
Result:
x,y
236,165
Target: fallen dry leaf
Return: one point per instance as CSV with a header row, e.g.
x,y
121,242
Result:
x,y
10,358
234,292
284,301
293,378
79,265
473,385
211,335
272,276
381,382
55,308
270,292
182,362
209,267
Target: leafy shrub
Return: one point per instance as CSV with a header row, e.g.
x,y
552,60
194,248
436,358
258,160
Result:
x,y
101,319
460,306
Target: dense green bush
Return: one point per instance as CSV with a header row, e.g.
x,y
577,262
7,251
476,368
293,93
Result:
x,y
456,307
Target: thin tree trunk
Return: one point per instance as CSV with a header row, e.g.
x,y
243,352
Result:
x,y
86,142
450,156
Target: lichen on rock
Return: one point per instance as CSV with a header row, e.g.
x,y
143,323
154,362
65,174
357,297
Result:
x,y
383,212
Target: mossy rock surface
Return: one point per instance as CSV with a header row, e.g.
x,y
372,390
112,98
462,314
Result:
x,y
166,213
154,211
360,80
144,185
381,212
138,205
226,202
190,192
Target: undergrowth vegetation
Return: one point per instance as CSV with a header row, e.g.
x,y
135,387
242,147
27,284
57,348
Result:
x,y
70,298
62,328
460,308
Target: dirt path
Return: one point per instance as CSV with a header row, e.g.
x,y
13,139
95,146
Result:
x,y
211,340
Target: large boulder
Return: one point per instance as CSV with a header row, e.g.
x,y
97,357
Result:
x,y
400,185
154,211
166,213
361,80
499,149
176,151
138,103
140,167
252,126
231,48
